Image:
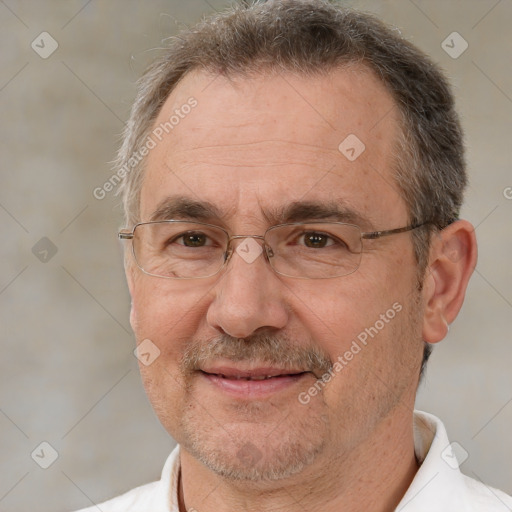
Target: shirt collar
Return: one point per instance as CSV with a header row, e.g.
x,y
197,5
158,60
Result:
x,y
166,496
438,484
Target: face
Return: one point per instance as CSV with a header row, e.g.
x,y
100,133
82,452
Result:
x,y
343,354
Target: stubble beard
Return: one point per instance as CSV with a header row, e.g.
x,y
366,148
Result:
x,y
267,441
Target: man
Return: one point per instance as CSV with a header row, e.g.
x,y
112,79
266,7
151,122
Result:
x,y
293,176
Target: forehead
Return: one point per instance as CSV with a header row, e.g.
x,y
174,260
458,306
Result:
x,y
249,145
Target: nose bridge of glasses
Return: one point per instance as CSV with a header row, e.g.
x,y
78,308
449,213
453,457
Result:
x,y
247,250
241,237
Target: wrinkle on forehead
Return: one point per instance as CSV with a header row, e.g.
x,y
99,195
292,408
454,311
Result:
x,y
261,153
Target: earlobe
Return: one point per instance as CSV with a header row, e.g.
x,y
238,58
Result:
x,y
453,255
435,326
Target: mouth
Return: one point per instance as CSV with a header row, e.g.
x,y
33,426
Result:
x,y
262,373
251,383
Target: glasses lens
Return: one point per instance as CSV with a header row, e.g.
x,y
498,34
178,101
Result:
x,y
179,249
315,251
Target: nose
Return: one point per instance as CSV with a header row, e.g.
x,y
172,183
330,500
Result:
x,y
248,294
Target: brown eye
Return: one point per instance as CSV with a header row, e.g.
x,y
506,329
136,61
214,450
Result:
x,y
194,239
190,239
315,240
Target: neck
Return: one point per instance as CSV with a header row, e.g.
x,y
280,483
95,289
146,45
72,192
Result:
x,y
374,476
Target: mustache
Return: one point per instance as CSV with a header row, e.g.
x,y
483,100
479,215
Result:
x,y
264,348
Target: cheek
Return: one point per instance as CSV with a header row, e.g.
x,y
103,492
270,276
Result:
x,y
372,301
167,313
337,314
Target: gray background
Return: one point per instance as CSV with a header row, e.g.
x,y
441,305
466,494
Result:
x,y
68,375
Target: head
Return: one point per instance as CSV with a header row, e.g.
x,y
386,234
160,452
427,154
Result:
x,y
271,92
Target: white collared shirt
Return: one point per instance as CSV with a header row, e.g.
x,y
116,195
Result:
x,y
438,486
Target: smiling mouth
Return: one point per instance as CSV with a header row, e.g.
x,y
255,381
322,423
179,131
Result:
x,y
253,377
256,383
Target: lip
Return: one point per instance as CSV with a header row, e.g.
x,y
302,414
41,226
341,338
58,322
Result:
x,y
237,382
232,372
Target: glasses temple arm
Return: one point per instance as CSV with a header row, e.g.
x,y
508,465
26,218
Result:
x,y
377,234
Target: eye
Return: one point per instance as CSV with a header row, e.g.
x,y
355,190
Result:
x,y
192,239
318,240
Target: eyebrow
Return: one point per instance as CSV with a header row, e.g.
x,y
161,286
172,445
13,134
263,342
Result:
x,y
181,207
186,208
302,211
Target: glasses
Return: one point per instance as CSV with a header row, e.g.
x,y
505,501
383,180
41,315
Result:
x,y
176,249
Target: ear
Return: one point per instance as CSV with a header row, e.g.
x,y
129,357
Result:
x,y
452,259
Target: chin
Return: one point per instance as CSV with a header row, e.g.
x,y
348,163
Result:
x,y
252,451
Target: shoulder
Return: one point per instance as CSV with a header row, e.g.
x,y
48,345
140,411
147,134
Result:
x,y
486,498
131,500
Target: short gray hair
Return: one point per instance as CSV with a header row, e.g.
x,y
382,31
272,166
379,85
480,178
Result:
x,y
311,37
